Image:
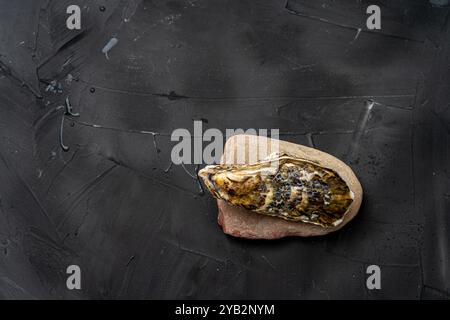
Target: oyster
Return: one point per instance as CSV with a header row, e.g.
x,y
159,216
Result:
x,y
284,187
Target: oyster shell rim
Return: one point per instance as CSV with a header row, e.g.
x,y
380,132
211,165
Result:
x,y
286,156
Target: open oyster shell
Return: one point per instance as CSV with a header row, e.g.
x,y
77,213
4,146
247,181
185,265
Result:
x,y
284,187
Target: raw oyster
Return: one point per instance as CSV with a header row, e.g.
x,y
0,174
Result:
x,y
284,187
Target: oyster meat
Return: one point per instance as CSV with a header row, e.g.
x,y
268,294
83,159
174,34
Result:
x,y
284,187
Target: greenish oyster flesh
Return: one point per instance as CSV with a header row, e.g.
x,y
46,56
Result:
x,y
285,187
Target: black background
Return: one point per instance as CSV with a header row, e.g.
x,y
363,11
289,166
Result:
x,y
139,228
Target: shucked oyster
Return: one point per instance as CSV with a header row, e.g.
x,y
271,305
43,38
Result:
x,y
290,188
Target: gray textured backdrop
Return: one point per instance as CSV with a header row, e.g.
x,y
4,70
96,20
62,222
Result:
x,y
139,228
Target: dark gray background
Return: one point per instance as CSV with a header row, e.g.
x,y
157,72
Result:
x,y
137,231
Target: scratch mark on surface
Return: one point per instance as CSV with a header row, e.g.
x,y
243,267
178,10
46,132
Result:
x,y
298,66
29,190
422,285
68,112
69,108
195,252
68,43
268,262
175,96
134,131
289,104
393,106
168,167
346,26
445,293
83,220
360,129
161,182
187,171
111,44
318,133
98,126
60,171
155,143
41,120
171,96
14,285
61,136
356,36
78,195
129,10
130,260
441,121
195,177
310,139
5,70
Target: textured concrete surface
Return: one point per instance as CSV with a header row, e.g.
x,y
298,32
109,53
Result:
x,y
138,227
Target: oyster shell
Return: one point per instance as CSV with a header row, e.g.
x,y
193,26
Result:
x,y
284,187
